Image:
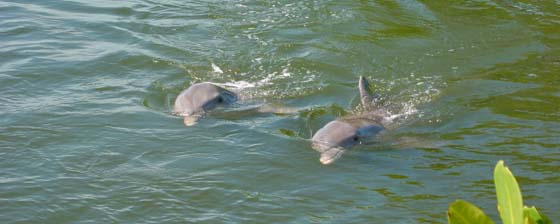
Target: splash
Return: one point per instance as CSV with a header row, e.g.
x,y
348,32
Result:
x,y
285,81
217,69
408,109
238,85
403,96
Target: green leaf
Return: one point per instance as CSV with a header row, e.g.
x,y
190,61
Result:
x,y
510,203
532,216
462,212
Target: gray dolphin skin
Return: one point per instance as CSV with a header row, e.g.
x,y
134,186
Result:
x,y
336,136
194,102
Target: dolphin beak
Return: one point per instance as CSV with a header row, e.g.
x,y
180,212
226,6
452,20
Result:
x,y
329,154
191,120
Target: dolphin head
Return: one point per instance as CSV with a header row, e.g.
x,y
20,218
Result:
x,y
200,98
331,140
338,135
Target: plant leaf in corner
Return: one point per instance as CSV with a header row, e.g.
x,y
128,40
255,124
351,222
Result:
x,y
462,212
510,203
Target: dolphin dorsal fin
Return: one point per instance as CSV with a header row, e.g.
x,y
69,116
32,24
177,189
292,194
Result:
x,y
366,97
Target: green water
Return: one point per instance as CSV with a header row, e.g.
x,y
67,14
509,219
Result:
x,y
87,87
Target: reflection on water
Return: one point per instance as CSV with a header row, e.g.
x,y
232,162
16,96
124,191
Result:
x,y
86,91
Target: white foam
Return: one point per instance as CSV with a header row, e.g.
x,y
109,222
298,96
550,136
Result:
x,y
285,73
217,69
238,84
408,109
267,79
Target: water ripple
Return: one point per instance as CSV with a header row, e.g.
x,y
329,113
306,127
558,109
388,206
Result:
x,y
86,90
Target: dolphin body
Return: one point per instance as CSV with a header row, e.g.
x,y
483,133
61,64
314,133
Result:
x,y
335,137
194,102
199,99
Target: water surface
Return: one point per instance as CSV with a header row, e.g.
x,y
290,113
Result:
x,y
86,91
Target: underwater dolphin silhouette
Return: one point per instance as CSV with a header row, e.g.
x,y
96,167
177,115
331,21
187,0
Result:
x,y
335,137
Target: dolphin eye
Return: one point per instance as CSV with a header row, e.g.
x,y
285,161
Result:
x,y
355,138
220,100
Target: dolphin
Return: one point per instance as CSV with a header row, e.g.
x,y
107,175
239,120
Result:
x,y
199,99
335,137
194,102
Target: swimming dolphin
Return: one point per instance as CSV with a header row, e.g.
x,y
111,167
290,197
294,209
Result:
x,y
199,99
194,102
338,135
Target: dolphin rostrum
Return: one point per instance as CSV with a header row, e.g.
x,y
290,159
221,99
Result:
x,y
344,132
194,102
